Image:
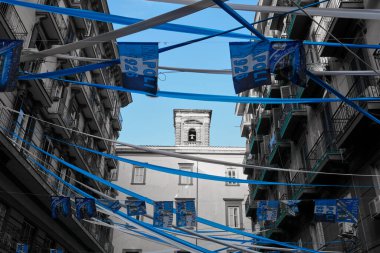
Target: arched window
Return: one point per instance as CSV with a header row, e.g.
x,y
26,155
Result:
x,y
192,135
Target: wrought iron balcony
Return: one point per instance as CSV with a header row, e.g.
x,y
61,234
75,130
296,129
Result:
x,y
293,115
279,149
13,21
263,122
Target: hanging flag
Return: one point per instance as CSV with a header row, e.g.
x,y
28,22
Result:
x,y
347,210
325,210
249,62
288,61
163,214
135,207
185,216
291,206
114,205
56,250
85,208
267,210
139,65
21,248
10,52
60,205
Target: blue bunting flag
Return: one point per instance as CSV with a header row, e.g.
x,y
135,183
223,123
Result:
x,y
249,61
267,210
85,208
135,207
186,214
60,205
325,210
139,66
21,248
163,214
10,52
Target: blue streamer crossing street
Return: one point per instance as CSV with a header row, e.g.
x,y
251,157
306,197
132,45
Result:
x,y
158,126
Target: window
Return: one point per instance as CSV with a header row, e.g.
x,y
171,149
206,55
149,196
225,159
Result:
x,y
233,216
234,213
185,167
138,175
232,173
192,135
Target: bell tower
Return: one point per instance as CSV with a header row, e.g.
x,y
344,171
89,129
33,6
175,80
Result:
x,y
192,127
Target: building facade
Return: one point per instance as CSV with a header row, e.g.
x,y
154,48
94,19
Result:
x,y
25,190
218,201
328,137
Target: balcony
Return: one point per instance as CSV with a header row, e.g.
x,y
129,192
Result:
x,y
292,119
117,120
245,125
279,149
263,122
254,143
323,156
252,161
344,29
55,24
11,23
350,126
272,91
298,25
250,208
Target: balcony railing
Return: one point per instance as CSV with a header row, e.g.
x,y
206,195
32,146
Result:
x,y
13,20
344,115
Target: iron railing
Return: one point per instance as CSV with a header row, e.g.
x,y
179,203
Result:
x,y
13,20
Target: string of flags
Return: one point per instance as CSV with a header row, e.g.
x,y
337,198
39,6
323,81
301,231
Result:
x,y
24,248
325,210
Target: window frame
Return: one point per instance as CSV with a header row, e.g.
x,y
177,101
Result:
x,y
231,169
185,167
234,203
133,179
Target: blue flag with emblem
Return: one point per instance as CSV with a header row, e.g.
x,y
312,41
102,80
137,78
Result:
x,y
135,207
347,210
85,208
22,248
60,205
288,62
10,52
325,210
267,210
114,205
139,65
185,215
163,214
249,62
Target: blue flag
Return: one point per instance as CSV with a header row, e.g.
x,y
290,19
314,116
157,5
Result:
x,y
139,65
10,52
249,61
85,208
185,216
163,214
56,250
325,210
287,61
135,207
347,210
21,248
60,205
267,210
114,205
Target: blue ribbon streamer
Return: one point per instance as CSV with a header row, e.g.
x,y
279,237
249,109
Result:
x,y
133,220
187,173
109,18
221,98
150,201
341,97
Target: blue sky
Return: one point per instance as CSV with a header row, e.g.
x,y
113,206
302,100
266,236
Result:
x,y
149,121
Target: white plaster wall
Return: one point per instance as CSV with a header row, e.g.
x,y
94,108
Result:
x,y
160,186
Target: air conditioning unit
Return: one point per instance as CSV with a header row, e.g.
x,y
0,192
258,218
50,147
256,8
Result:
x,y
374,208
347,230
